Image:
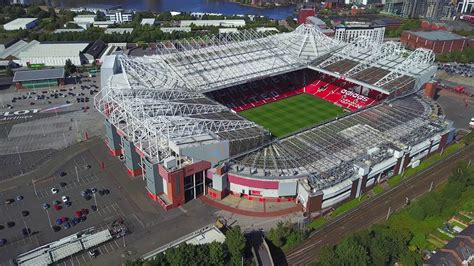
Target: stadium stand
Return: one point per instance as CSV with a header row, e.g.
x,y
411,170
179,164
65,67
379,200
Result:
x,y
261,92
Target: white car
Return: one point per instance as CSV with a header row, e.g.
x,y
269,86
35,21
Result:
x,y
54,190
471,124
65,199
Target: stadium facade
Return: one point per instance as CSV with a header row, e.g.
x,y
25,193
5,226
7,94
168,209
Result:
x,y
173,117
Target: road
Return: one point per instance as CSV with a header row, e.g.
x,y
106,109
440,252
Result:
x,y
373,210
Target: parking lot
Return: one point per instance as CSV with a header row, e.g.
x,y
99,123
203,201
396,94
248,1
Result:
x,y
36,122
464,70
149,224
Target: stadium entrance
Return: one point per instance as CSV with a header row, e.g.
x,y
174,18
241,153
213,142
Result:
x,y
193,186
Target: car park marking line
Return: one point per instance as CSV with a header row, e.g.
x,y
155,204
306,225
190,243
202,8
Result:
x,y
115,241
89,179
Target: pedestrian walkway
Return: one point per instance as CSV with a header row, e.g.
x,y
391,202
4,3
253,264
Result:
x,y
247,207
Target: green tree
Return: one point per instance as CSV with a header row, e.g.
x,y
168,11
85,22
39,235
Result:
x,y
278,235
69,67
217,254
9,72
235,242
417,212
351,253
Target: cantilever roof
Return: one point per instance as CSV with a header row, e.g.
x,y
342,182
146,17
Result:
x,y
329,152
159,96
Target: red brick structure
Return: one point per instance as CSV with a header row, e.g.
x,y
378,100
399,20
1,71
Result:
x,y
439,41
303,13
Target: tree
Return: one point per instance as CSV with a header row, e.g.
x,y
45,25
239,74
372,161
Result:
x,y
217,254
417,212
69,67
351,253
9,72
235,242
279,234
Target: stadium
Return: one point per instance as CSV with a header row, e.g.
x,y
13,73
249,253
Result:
x,y
290,116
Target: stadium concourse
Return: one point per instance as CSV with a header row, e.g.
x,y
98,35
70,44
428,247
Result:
x,y
174,117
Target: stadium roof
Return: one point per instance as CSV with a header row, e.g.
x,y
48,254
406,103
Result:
x,y
160,96
32,75
327,153
439,35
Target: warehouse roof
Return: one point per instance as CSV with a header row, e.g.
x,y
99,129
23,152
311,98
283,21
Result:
x,y
53,49
20,22
439,35
118,30
53,73
149,21
95,49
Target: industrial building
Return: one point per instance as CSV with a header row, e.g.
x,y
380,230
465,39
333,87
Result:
x,y
148,21
439,41
350,32
44,78
205,235
51,54
119,16
171,29
21,24
84,21
94,50
215,23
174,116
118,30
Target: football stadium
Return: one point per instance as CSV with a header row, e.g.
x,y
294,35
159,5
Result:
x,y
290,116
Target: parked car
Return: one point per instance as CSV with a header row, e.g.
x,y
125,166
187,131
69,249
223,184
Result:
x,y
84,211
19,198
93,253
25,213
45,206
64,198
26,231
9,201
57,207
59,221
78,214
54,190
3,242
66,225
10,224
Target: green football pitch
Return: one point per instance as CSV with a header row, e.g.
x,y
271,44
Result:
x,y
288,115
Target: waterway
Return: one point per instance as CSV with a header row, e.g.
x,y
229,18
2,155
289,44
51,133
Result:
x,y
207,6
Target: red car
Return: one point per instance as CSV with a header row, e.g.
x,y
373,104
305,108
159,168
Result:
x,y
64,219
85,211
57,207
78,214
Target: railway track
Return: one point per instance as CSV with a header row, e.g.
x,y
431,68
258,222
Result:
x,y
374,210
